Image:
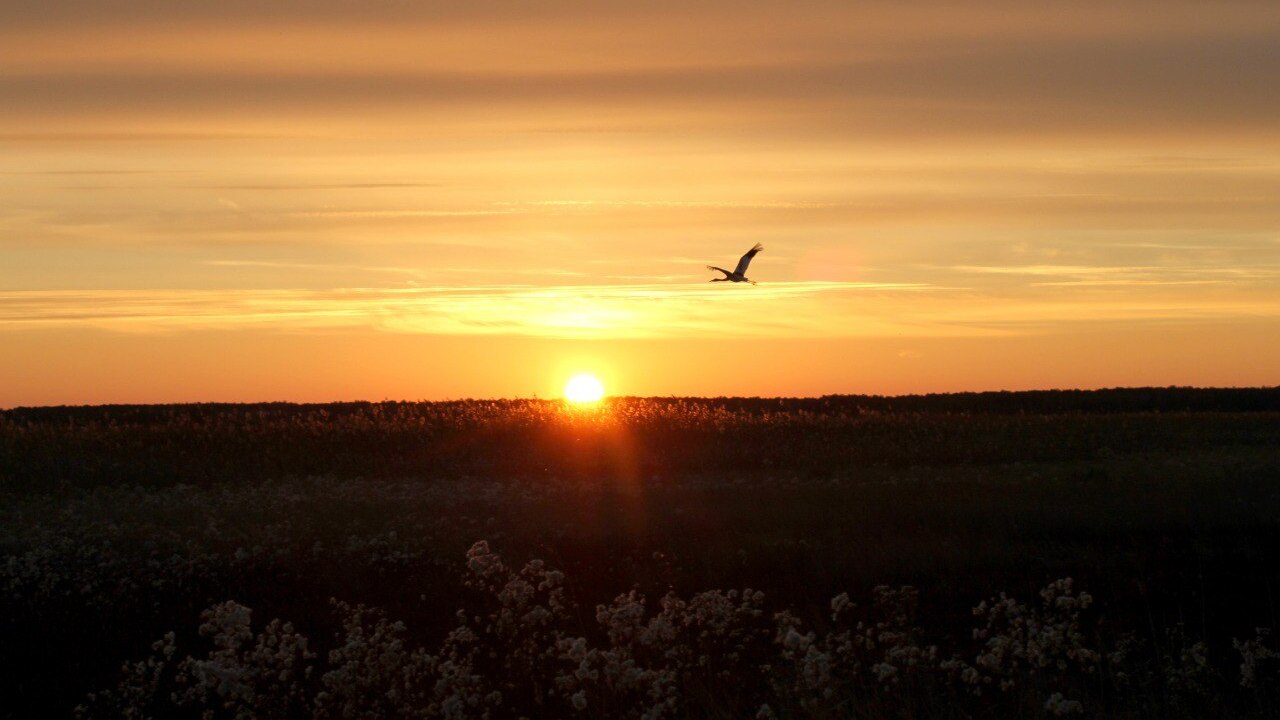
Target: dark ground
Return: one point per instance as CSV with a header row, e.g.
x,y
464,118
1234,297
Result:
x,y
120,523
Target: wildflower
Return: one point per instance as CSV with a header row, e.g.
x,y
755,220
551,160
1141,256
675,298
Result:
x,y
1252,654
839,604
1059,706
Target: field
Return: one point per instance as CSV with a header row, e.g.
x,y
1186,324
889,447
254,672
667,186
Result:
x,y
1085,554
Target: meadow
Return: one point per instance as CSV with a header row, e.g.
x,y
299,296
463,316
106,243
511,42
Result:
x,y
1042,554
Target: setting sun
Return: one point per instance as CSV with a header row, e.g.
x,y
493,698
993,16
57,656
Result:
x,y
584,388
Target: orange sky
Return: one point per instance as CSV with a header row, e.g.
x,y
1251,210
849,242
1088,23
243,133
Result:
x,y
331,200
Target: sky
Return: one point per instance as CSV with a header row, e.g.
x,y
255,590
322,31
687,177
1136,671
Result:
x,y
322,200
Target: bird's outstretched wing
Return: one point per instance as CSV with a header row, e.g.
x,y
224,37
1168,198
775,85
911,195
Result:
x,y
713,267
746,259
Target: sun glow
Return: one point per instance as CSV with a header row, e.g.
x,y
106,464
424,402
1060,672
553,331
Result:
x,y
584,388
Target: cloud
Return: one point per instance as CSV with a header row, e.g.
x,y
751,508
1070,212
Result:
x,y
1121,276
600,311
894,69
1117,149
337,267
392,214
652,310
314,186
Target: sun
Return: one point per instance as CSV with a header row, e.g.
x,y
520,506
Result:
x,y
584,388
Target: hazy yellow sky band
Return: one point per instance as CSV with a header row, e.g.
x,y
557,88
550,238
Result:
x,y
329,200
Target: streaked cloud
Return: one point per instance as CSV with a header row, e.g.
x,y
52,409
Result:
x,y
778,310
1118,276
618,311
327,267
893,69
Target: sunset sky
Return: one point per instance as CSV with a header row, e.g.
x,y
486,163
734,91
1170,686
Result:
x,y
326,200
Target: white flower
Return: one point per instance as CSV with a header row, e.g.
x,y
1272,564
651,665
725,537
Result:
x,y
839,604
1059,706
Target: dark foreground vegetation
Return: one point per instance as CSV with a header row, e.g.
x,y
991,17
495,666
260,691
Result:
x,y
1085,554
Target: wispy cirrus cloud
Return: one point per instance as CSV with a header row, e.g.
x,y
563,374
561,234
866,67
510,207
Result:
x,y
588,311
377,214
328,267
1118,276
646,310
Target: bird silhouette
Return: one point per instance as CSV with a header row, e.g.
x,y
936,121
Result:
x,y
739,273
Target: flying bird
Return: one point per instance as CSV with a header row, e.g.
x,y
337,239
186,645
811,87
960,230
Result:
x,y
739,273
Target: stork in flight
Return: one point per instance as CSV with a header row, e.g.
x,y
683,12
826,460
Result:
x,y
739,273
